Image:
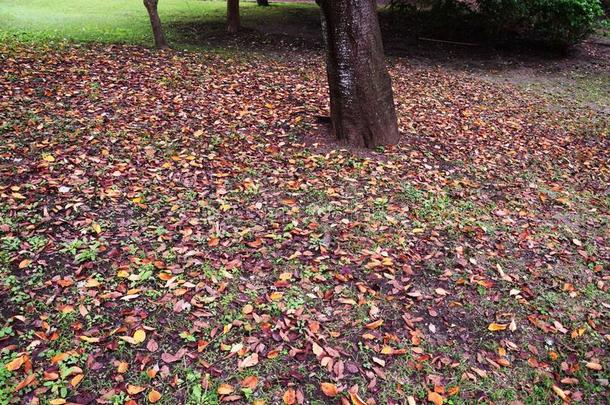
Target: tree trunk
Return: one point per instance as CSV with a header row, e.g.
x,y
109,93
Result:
x,y
155,21
262,2
233,16
361,99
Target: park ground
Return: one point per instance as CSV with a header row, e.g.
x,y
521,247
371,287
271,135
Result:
x,y
178,227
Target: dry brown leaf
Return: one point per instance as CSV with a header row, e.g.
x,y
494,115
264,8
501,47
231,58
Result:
x,y
250,361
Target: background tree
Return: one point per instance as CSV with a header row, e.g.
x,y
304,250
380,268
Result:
x,y
155,21
233,23
262,2
361,98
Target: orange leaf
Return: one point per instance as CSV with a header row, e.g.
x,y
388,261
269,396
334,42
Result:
x,y
225,389
290,397
330,390
435,398
27,381
154,396
24,263
134,389
59,357
249,382
374,324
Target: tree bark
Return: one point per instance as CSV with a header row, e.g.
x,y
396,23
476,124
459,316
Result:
x,y
155,22
233,23
361,98
262,2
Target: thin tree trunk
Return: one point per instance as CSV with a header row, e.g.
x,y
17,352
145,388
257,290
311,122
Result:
x,y
233,23
155,22
262,2
361,98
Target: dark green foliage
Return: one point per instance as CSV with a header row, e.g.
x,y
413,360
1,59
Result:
x,y
556,23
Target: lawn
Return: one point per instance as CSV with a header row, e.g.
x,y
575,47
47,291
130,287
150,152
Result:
x,y
178,228
188,22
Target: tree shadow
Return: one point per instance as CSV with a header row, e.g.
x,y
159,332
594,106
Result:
x,y
285,28
277,28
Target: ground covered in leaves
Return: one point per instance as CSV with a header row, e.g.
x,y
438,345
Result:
x,y
175,229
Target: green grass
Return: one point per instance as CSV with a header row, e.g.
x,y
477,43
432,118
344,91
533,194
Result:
x,y
187,22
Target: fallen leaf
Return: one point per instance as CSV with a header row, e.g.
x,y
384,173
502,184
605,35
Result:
x,y
24,263
329,389
594,366
225,389
494,327
290,397
16,363
249,382
139,336
435,398
374,324
154,396
134,389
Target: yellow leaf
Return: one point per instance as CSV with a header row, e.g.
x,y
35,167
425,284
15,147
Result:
x,y
96,227
497,326
276,296
122,367
225,389
560,393
387,350
89,339
139,336
435,398
329,389
16,363
76,379
154,396
57,401
48,158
